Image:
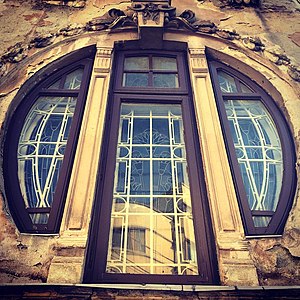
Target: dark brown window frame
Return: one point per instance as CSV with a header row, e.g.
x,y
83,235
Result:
x,y
28,94
279,217
99,233
183,83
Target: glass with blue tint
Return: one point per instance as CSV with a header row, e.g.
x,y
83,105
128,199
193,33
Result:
x,y
41,151
259,154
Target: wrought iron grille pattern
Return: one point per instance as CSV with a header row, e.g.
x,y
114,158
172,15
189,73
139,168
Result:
x,y
42,146
151,222
259,154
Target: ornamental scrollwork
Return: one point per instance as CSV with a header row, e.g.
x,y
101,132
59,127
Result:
x,y
116,19
240,3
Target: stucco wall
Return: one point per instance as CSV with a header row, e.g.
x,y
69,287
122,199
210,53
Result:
x,y
35,33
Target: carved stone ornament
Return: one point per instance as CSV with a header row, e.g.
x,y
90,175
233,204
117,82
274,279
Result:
x,y
150,14
151,18
240,3
70,3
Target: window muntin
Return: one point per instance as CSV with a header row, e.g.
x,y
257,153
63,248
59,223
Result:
x,y
41,151
152,190
71,81
259,154
41,142
260,149
150,71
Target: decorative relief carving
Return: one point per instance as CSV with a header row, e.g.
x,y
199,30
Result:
x,y
240,3
156,14
103,58
151,11
198,60
70,3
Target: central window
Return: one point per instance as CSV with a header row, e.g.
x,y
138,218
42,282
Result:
x,y
151,194
151,219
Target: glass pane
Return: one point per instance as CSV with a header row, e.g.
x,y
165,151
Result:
x,y
73,80
135,79
261,221
41,150
39,218
136,63
245,89
165,80
55,85
152,222
227,83
259,153
164,63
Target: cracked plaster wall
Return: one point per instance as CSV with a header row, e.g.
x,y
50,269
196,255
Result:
x,y
25,258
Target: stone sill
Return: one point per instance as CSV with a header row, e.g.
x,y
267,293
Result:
x,y
145,292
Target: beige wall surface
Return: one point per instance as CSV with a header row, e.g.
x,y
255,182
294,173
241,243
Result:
x,y
264,42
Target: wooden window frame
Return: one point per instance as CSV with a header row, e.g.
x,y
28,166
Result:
x,y
99,233
277,223
29,93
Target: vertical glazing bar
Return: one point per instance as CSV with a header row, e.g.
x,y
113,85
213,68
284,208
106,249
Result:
x,y
151,196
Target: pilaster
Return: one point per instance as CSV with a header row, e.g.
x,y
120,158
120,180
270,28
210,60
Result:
x,y
69,251
235,264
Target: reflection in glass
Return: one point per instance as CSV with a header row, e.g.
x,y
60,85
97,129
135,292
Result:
x,y
227,82
136,63
245,88
259,154
73,80
165,80
158,72
164,63
135,79
41,150
151,223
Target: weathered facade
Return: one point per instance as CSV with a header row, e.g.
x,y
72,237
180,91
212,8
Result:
x,y
259,39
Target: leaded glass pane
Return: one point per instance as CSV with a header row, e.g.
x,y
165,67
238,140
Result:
x,y
41,150
261,221
135,79
73,80
136,63
55,85
227,82
259,154
151,223
165,80
164,63
245,88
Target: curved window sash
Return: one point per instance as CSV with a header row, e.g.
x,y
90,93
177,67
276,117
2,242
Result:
x,y
41,151
41,142
260,149
259,154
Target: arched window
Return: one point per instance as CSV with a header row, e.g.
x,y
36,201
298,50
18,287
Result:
x,y
41,141
260,150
